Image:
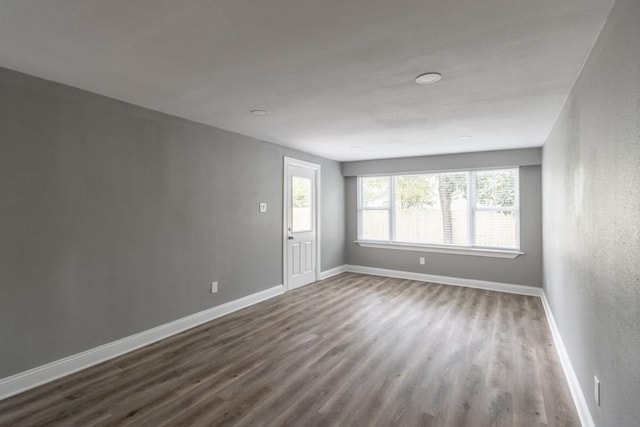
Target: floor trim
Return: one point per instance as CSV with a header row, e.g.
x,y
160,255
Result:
x,y
332,272
446,280
26,380
574,385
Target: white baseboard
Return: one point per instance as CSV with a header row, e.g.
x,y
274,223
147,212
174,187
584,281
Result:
x,y
332,272
574,386
446,280
26,380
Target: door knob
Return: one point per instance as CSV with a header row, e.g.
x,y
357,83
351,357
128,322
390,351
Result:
x,y
290,237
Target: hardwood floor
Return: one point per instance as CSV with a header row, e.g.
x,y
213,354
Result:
x,y
353,350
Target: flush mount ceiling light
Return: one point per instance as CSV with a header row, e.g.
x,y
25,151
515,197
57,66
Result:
x,y
259,112
428,78
465,137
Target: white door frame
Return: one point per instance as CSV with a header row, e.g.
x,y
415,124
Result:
x,y
285,215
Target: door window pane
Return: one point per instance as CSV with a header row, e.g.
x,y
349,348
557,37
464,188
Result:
x,y
301,215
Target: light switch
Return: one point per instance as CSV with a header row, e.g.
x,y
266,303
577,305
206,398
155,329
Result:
x,y
263,207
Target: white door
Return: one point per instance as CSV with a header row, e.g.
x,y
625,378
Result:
x,y
301,219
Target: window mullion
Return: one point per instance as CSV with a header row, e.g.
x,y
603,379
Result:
x,y
392,208
359,207
516,202
472,208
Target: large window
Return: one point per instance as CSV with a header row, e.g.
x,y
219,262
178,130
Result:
x,y
472,209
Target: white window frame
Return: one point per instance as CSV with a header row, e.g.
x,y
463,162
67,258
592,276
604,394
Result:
x,y
472,248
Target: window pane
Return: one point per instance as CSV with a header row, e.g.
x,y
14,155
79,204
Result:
x,y
375,191
301,201
432,209
496,229
496,188
375,225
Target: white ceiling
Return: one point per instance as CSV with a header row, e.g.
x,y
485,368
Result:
x,y
333,74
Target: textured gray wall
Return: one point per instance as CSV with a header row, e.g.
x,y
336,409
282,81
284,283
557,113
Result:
x,y
524,270
591,185
115,219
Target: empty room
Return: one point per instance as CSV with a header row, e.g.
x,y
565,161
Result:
x,y
306,213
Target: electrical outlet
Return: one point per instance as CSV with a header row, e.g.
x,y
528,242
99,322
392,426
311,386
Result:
x,y
422,260
214,287
596,389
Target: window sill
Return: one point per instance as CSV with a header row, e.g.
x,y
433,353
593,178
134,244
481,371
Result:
x,y
457,250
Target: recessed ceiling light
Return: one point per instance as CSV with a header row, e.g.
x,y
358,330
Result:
x,y
355,147
428,78
465,137
259,112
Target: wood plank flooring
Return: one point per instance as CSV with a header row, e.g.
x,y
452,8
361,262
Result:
x,y
353,350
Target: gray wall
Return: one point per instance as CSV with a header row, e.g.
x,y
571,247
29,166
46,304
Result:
x,y
591,186
442,162
115,219
524,270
